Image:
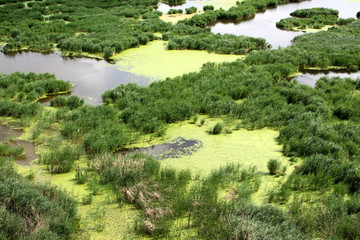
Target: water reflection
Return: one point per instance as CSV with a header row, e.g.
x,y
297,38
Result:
x,y
310,77
264,24
91,77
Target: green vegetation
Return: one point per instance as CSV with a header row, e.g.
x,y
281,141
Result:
x,y
191,10
274,166
224,44
60,160
23,87
312,18
217,128
6,150
103,29
71,102
318,125
33,211
208,7
175,11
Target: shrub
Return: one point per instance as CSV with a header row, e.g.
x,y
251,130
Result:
x,y
217,128
274,166
60,160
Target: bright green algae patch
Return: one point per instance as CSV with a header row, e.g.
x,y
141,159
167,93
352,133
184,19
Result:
x,y
156,62
250,148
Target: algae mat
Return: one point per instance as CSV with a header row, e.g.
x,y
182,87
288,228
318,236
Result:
x,y
156,62
250,148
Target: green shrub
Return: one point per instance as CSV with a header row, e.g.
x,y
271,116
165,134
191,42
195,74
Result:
x,y
60,160
274,166
217,128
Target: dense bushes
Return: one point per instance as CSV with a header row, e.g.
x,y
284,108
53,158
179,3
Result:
x,y
60,160
71,102
31,86
103,26
191,10
175,11
312,18
33,211
336,47
98,128
225,44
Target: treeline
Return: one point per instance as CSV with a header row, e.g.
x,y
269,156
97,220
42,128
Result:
x,y
224,44
33,211
315,18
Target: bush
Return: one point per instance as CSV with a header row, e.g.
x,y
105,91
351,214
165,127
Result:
x,y
274,166
191,10
60,160
217,128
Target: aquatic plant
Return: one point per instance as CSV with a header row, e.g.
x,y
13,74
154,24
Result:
x,y
274,166
217,128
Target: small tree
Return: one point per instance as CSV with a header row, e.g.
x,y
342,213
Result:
x,y
274,166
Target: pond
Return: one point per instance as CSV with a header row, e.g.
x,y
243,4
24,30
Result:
x,y
7,133
91,77
310,77
264,24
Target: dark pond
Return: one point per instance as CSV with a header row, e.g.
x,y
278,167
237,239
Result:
x,y
7,133
174,149
91,77
310,77
264,24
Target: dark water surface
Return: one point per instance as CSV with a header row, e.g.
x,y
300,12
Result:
x,y
174,149
91,77
7,133
264,24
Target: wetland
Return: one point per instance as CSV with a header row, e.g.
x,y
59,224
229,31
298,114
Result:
x,y
149,110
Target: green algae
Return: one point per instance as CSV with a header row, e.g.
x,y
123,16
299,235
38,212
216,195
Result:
x,y
312,30
156,62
